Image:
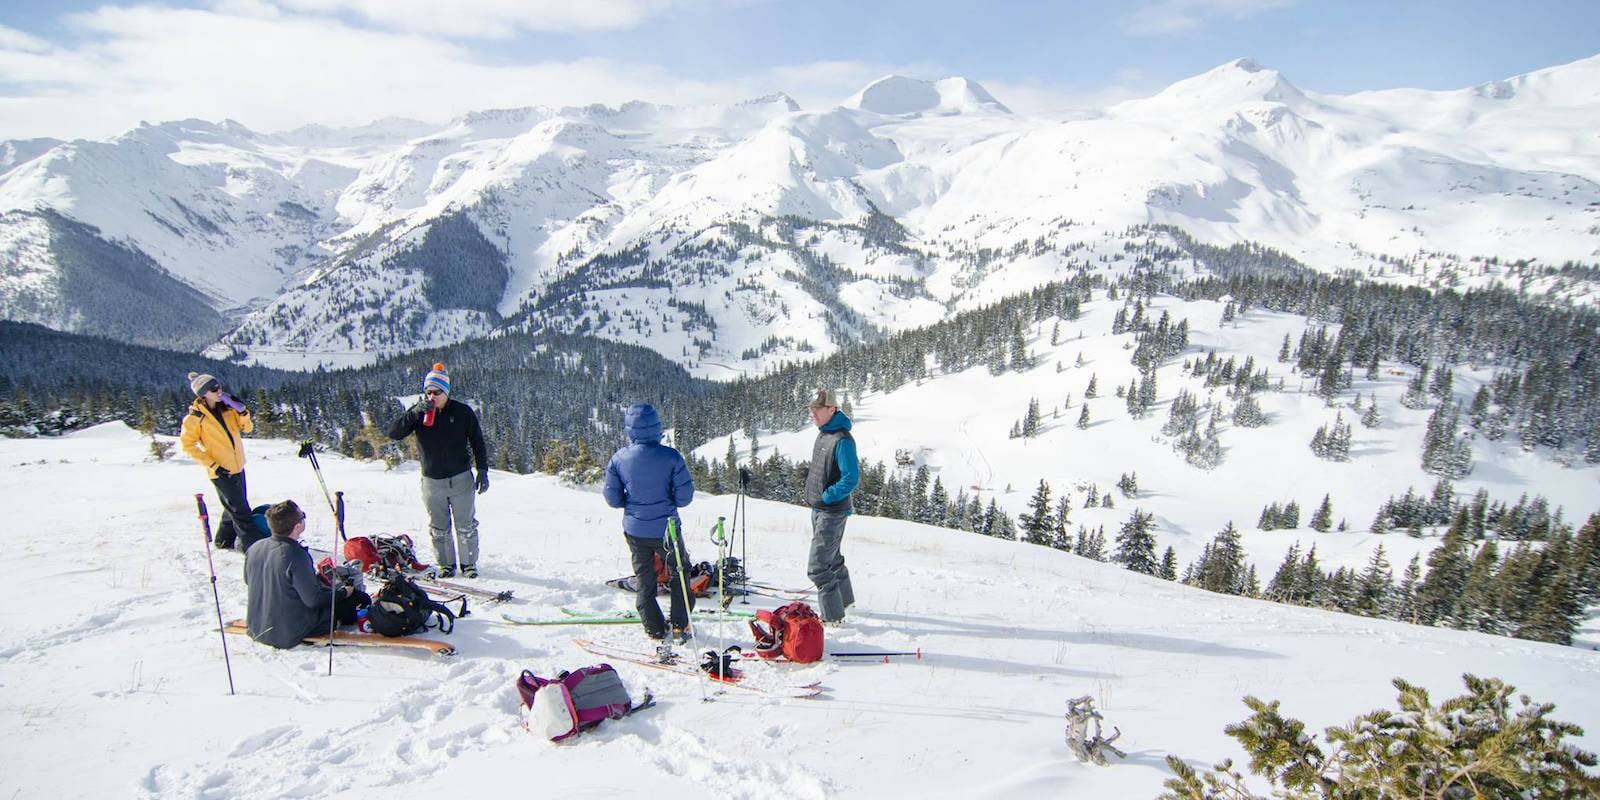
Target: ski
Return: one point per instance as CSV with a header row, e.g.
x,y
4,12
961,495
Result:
x,y
778,591
869,656
439,586
738,679
360,639
622,618
450,587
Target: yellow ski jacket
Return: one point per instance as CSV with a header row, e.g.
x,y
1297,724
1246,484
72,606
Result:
x,y
213,438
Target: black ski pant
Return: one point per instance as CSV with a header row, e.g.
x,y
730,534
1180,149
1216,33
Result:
x,y
644,552
238,528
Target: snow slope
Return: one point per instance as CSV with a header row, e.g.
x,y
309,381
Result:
x,y
772,217
125,664
958,424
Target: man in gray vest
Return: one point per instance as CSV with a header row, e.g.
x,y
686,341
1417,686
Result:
x,y
833,476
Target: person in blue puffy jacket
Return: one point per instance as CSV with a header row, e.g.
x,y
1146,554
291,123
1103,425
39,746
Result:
x,y
650,482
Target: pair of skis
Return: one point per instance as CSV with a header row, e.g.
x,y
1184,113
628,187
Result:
x,y
361,639
767,683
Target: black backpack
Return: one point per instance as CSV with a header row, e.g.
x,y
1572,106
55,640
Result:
x,y
402,608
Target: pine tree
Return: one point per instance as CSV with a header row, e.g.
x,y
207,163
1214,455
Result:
x,y
1446,579
1083,418
1037,523
1093,390
938,512
1405,595
1478,745
1269,517
1223,569
1375,586
1136,547
1169,565
1091,544
1128,484
1290,518
1247,414
1284,586
1477,610
1063,520
1322,518
991,519
1371,418
1030,420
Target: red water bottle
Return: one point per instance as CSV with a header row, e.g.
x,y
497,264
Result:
x,y
427,418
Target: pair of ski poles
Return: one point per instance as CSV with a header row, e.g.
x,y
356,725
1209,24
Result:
x,y
307,451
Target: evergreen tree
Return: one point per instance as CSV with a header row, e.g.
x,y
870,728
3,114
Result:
x,y
1128,484
1093,389
1248,414
1446,579
1091,544
1477,610
1169,565
1223,569
1371,418
1037,524
1136,546
1269,517
1375,587
938,508
1290,518
1405,595
1322,518
1030,419
1285,583
1083,418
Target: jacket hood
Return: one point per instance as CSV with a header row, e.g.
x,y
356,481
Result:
x,y
642,423
838,422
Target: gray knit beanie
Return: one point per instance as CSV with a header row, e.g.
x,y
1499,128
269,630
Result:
x,y
200,383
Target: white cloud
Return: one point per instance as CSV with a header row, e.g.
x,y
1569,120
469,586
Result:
x,y
498,19
1165,17
273,68
13,39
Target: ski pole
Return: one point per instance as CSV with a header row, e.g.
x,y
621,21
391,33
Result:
x,y
744,536
308,451
675,541
205,531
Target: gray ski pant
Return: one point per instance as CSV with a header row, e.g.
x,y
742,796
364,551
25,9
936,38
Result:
x,y
826,567
446,498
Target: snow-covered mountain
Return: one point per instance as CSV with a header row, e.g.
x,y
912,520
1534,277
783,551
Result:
x,y
731,237
132,668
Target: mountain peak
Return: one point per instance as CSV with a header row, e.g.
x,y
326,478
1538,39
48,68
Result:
x,y
899,95
1241,80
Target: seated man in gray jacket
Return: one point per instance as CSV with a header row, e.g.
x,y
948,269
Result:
x,y
287,602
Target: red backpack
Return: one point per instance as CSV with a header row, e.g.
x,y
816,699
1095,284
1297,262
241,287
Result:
x,y
794,632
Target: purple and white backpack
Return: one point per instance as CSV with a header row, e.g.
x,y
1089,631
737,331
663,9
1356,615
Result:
x,y
559,708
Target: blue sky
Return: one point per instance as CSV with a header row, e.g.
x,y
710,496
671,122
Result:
x,y
73,68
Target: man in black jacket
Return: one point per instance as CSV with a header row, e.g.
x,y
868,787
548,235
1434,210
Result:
x,y
451,443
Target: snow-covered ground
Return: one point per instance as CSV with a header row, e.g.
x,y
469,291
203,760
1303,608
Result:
x,y
957,425
112,682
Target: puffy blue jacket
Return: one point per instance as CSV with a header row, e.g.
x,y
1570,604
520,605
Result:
x,y
647,479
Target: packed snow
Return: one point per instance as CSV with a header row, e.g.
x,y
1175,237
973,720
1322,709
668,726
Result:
x,y
110,651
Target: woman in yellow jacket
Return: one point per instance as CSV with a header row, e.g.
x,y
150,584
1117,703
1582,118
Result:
x,y
211,435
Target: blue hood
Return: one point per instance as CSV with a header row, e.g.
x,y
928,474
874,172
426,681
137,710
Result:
x,y
642,423
838,422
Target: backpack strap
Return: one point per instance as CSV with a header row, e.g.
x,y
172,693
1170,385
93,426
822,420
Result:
x,y
768,636
447,618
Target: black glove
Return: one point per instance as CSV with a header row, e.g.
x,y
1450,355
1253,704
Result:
x,y
483,481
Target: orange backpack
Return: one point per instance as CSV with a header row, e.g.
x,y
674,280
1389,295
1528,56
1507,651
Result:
x,y
793,631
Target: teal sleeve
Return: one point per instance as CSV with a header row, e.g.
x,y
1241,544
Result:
x,y
849,472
